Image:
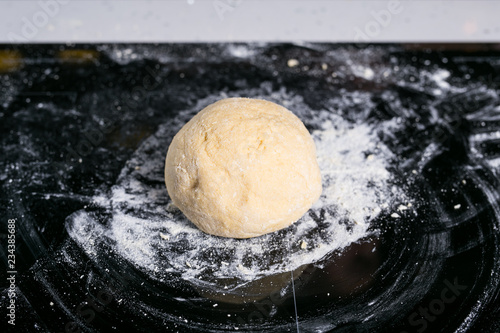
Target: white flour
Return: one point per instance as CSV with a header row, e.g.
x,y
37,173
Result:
x,y
155,237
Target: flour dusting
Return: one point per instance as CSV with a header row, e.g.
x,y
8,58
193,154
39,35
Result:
x,y
147,230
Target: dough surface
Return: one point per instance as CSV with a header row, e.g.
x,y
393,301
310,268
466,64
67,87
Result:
x,y
243,168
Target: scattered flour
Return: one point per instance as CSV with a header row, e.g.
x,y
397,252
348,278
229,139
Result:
x,y
144,229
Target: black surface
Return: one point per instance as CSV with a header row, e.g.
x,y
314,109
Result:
x,y
52,106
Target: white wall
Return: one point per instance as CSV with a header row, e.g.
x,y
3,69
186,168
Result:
x,y
248,20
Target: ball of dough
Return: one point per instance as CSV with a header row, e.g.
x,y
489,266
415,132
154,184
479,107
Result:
x,y
242,168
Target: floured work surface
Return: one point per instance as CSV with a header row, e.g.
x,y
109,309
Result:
x,y
403,238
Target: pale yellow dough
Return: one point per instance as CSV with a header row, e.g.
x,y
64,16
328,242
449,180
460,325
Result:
x,y
243,168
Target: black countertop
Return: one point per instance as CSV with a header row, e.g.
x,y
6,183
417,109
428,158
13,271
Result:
x,y
73,116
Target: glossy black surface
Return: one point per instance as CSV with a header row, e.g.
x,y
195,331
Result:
x,y
434,271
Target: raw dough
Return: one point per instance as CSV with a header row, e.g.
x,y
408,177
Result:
x,y
242,168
